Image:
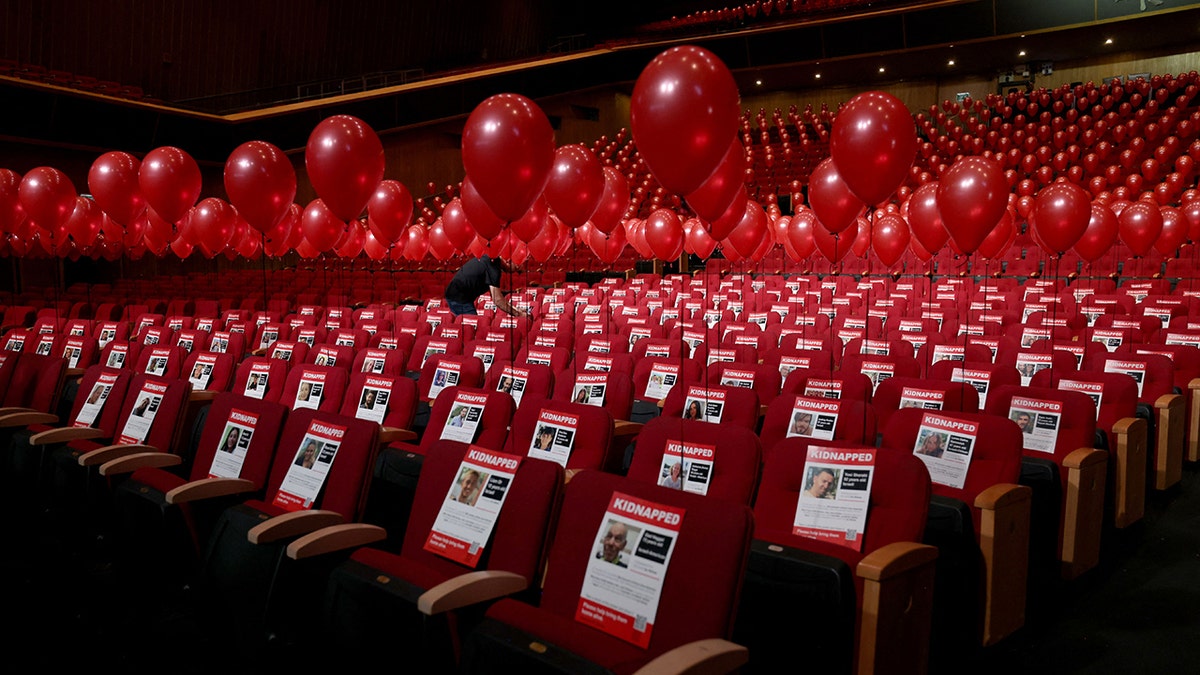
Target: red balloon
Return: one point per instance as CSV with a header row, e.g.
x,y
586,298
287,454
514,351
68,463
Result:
x,y
416,243
749,233
1140,224
730,219
925,219
664,234
613,203
457,228
261,183
11,213
862,243
48,198
542,246
531,223
831,199
684,112
834,246
890,238
212,222
508,151
1190,212
322,229
1174,231
170,179
972,195
389,210
701,242
481,218
439,244
157,233
1062,212
873,143
576,185
1100,235
1001,237
113,181
607,247
800,233
714,196
353,241
344,159
84,223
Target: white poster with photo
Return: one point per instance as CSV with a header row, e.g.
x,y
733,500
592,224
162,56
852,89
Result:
x,y
948,353
926,399
1095,390
94,403
257,382
600,346
1189,339
835,495
539,357
72,351
1134,369
600,363
554,436
202,370
157,363
325,356
878,371
703,404
692,339
876,347
374,361
219,342
789,363
662,378
718,355
624,577
268,337
513,381
1111,339
310,390
1039,421
233,444
658,350
814,418
141,418
1030,364
946,444
311,465
373,402
106,334
687,466
433,348
473,503
446,374
486,355
980,379
737,377
283,350
590,389
823,388
117,356
464,417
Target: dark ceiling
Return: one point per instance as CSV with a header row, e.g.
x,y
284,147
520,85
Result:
x,y
910,42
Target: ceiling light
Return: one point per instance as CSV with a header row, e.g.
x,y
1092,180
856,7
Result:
x,y
950,62
881,69
1108,41
1021,53
818,76
758,83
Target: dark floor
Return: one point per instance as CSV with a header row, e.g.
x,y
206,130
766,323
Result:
x,y
69,605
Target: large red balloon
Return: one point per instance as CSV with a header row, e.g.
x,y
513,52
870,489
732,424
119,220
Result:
x,y
170,179
613,204
11,213
1174,231
1190,211
508,151
1140,224
532,221
479,215
458,229
834,246
1100,235
321,227
712,198
873,142
723,226
48,198
344,159
971,197
113,181
664,234
84,223
890,238
831,199
995,244
862,243
212,222
607,247
388,210
542,246
575,187
1061,215
800,233
260,182
697,237
684,112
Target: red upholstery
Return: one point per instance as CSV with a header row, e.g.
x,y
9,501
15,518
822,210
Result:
x,y
591,448
737,455
332,381
741,406
959,397
856,421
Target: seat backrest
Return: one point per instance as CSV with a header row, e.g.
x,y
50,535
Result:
x,y
1055,422
440,372
427,346
914,392
389,400
310,386
469,415
290,351
898,503
824,383
719,460
879,367
763,379
378,361
346,446
710,551
101,394
519,541
209,371
983,375
713,403
162,361
575,435
1154,373
612,390
654,377
337,356
818,418
152,412
32,380
520,380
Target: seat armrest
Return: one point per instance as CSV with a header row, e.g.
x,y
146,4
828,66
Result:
x,y
202,395
65,435
111,452
26,418
470,589
291,525
699,658
139,460
395,434
897,608
1128,477
1193,436
1168,442
208,488
335,538
895,559
1083,510
1004,541
626,429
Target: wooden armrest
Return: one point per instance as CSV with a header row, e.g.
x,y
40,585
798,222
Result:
x,y
895,559
393,434
207,488
1169,440
292,524
1168,401
26,419
335,538
1002,495
72,373
111,452
65,435
1085,457
1082,519
8,410
201,395
625,428
1193,433
695,658
469,589
259,352
139,460
1128,483
1004,542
